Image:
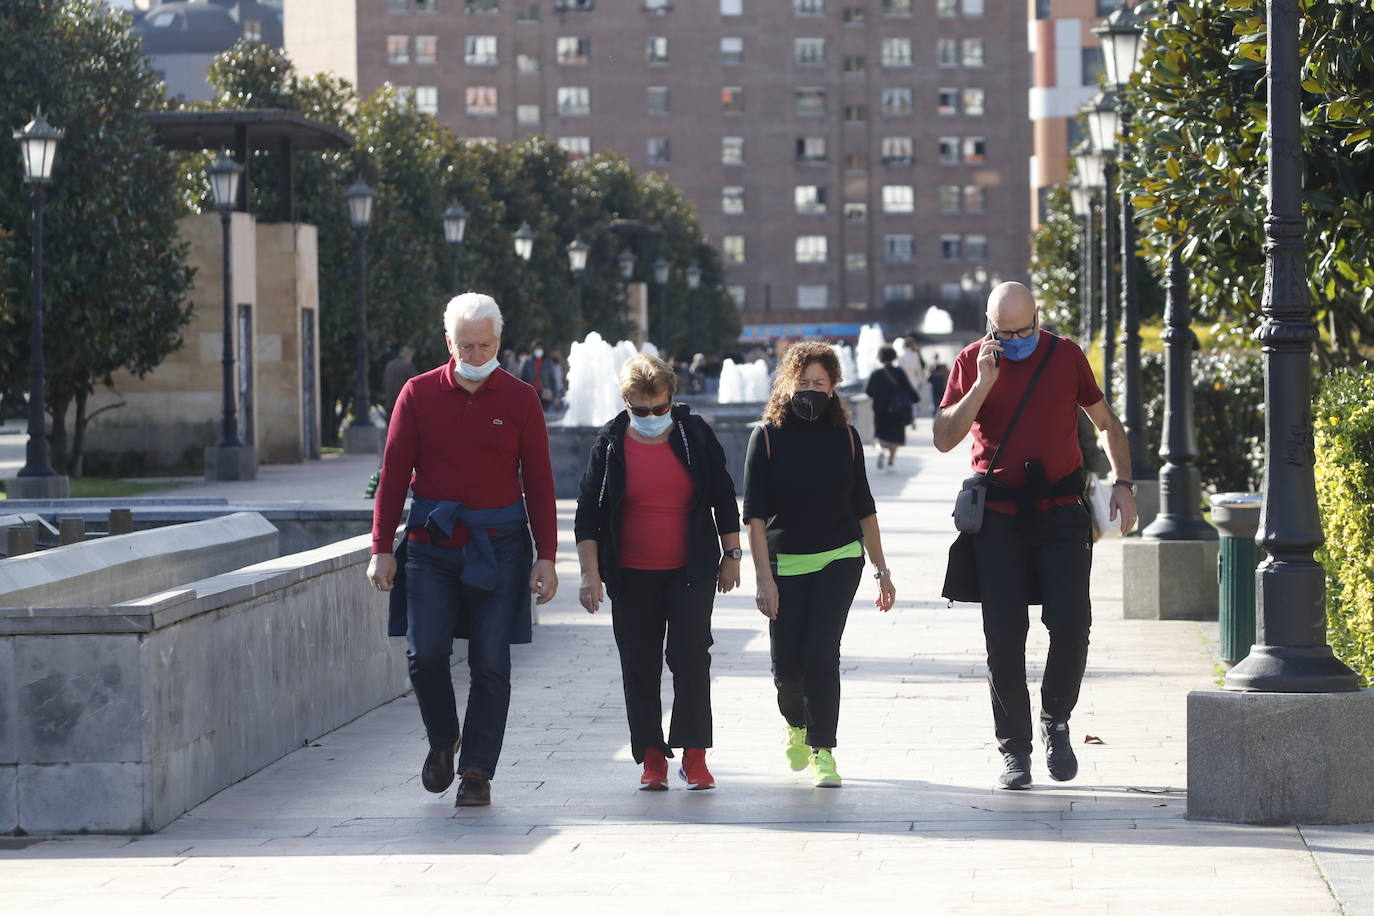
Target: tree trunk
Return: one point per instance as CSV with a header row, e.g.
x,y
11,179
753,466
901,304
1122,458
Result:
x,y
78,436
57,439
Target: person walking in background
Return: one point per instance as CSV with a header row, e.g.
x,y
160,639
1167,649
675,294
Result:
x,y
558,379
1035,542
655,512
396,373
538,373
939,377
469,441
912,365
894,405
810,516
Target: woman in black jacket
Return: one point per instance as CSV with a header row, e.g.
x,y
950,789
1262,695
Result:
x,y
894,405
656,507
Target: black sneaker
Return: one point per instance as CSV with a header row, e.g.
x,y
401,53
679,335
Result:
x,y
1015,771
1059,755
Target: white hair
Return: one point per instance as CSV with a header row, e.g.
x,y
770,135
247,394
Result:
x,y
471,307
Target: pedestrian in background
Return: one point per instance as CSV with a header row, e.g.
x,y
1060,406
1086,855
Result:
x,y
397,372
894,405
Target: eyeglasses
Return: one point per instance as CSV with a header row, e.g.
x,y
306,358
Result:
x,y
657,410
1027,331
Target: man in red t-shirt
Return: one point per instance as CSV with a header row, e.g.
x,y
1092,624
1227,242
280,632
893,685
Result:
x,y
1035,545
468,440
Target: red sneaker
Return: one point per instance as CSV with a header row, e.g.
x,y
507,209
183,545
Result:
x,y
655,778
694,771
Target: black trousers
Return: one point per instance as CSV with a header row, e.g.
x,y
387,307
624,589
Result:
x,y
647,603
805,645
1045,555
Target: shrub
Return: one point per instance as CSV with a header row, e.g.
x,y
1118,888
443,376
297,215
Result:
x,y
1344,434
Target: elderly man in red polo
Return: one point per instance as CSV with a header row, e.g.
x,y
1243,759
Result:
x,y
468,439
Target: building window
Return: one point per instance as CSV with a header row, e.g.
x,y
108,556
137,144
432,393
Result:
x,y
856,112
656,6
732,7
527,114
951,198
946,9
810,102
975,199
1092,65
658,150
974,102
896,7
976,247
897,151
481,51
732,199
975,149
739,293
528,12
949,102
478,6
732,151
398,49
856,260
481,100
855,211
576,6
896,52
731,50
426,50
855,162
949,150
732,99
574,100
896,293
811,149
573,50
252,30
392,6
811,249
527,63
896,103
808,52
813,296
947,52
853,15
1107,7
951,247
432,6
809,198
899,249
855,63
973,9
973,52
577,148
427,100
656,51
732,248
657,97
899,198
809,7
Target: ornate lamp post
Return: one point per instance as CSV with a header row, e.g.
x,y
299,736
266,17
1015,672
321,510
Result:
x,y
455,225
524,242
38,148
577,263
1081,199
362,434
224,190
693,275
1102,126
626,262
1091,175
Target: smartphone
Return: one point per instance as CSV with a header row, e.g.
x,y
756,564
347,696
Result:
x,y
996,354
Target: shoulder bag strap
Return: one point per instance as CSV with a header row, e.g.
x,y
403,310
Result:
x,y
1019,407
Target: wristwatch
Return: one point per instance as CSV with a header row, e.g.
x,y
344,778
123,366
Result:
x,y
882,572
734,553
1128,484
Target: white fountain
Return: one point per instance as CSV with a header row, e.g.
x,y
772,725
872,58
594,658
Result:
x,y
849,370
871,340
593,395
937,321
746,383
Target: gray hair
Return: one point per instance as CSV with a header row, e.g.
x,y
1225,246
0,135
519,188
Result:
x,y
471,307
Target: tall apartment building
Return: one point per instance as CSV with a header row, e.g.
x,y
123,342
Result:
x,y
1067,60
852,160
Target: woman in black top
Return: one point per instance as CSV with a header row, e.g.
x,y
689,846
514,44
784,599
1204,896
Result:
x,y
810,517
894,405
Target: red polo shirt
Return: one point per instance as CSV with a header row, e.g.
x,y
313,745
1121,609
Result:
x,y
1048,427
475,448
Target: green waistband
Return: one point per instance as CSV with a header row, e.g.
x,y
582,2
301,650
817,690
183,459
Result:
x,y
799,564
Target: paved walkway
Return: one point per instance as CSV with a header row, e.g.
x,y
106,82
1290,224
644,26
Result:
x,y
343,823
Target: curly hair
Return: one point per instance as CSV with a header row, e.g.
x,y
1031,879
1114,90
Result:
x,y
795,361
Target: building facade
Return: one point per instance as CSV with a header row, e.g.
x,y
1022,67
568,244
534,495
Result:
x,y
852,160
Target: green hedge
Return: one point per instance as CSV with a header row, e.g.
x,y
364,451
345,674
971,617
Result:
x,y
1344,428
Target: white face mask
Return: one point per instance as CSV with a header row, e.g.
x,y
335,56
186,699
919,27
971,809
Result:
x,y
651,427
476,373
538,354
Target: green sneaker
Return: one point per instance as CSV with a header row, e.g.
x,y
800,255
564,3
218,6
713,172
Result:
x,y
823,772
797,751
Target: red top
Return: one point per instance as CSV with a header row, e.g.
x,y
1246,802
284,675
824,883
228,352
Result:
x,y
447,444
653,516
1048,428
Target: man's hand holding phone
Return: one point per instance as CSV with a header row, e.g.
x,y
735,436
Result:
x,y
989,361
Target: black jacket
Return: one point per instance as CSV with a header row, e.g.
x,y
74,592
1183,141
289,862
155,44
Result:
x,y
603,489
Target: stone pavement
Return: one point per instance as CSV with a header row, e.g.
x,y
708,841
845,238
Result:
x,y
344,824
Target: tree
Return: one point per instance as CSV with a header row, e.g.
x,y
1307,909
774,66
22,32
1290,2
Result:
x,y
1057,264
115,273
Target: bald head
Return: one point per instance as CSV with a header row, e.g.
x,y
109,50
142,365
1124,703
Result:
x,y
1011,306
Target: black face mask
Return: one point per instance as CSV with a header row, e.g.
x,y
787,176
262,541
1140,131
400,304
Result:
x,y
810,405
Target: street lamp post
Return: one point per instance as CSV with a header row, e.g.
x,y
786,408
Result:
x,y
1102,124
524,242
1092,175
577,263
693,274
224,185
37,479
455,225
361,435
1081,199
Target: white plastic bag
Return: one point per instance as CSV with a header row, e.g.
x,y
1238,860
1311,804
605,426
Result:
x,y
1100,499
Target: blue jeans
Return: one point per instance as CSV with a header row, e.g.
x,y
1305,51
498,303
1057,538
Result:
x,y
437,606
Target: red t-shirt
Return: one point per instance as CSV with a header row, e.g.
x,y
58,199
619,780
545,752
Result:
x,y
653,515
1048,427
477,449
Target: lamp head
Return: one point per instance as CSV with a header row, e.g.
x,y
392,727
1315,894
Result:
x,y
455,224
577,255
224,183
38,148
360,198
524,242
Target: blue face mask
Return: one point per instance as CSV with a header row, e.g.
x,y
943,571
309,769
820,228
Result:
x,y
651,427
1018,348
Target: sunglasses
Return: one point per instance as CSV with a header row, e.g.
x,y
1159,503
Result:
x,y
658,410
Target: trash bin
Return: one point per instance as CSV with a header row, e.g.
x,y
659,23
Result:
x,y
1236,516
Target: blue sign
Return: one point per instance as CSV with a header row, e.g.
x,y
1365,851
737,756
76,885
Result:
x,y
803,331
